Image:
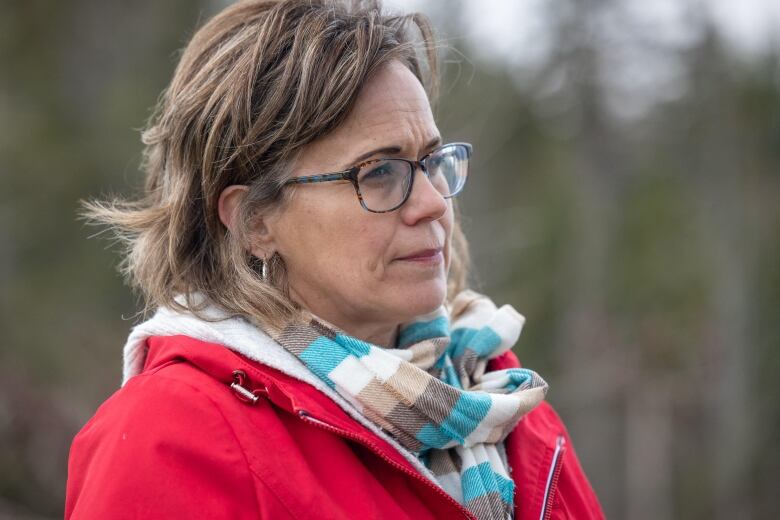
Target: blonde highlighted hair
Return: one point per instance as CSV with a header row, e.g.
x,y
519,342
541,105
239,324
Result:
x,y
255,84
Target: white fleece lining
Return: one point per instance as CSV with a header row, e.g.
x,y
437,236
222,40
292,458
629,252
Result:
x,y
240,336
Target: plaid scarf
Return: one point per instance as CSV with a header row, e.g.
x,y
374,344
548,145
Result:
x,y
432,392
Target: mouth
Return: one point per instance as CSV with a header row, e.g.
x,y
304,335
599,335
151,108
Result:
x,y
433,255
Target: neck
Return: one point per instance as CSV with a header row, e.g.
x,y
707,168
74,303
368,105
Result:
x,y
384,336
381,337
379,334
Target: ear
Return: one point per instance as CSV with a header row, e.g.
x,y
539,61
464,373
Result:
x,y
228,206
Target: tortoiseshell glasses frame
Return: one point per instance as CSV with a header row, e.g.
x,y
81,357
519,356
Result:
x,y
384,180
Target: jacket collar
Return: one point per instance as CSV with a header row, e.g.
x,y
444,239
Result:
x,y
239,336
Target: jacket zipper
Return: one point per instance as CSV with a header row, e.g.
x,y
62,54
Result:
x,y
303,414
552,478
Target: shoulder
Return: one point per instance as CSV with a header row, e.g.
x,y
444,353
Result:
x,y
546,467
160,404
160,446
542,454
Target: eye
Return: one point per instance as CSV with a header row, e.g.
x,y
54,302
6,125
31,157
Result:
x,y
377,172
436,161
381,173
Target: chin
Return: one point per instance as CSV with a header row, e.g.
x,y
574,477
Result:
x,y
421,299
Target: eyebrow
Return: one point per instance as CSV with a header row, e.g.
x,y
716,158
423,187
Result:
x,y
391,150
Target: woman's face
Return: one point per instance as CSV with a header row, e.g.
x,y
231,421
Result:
x,y
367,272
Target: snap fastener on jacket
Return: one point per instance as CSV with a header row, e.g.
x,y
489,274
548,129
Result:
x,y
240,390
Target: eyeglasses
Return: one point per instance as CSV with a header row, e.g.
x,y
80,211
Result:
x,y
384,185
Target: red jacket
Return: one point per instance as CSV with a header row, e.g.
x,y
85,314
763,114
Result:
x,y
177,441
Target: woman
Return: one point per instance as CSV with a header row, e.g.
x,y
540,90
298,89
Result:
x,y
314,352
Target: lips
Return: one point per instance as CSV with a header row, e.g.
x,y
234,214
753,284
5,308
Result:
x,y
422,254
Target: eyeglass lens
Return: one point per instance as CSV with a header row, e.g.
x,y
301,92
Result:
x,y
385,184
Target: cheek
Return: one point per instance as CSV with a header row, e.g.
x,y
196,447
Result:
x,y
369,248
337,242
305,234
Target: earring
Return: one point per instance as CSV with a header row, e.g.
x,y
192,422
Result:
x,y
264,270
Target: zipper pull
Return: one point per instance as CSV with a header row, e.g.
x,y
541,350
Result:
x,y
304,414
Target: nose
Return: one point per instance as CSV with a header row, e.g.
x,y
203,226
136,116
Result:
x,y
425,203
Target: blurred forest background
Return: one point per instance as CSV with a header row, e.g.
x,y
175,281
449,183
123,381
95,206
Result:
x,y
627,156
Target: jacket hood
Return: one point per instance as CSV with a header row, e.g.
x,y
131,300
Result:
x,y
242,337
235,333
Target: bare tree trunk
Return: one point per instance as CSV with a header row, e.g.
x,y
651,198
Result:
x,y
649,438
589,352
719,207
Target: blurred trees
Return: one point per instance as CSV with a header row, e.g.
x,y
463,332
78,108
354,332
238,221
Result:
x,y
77,80
636,225
638,222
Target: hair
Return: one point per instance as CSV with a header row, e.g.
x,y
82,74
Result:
x,y
254,85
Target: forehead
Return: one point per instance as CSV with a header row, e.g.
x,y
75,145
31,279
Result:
x,y
392,109
392,98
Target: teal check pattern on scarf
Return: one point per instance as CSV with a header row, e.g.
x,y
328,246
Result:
x,y
433,393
